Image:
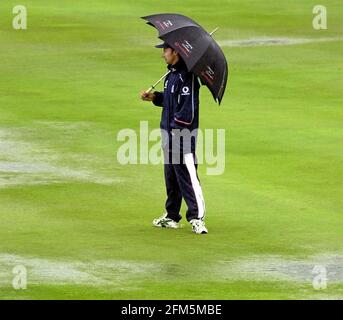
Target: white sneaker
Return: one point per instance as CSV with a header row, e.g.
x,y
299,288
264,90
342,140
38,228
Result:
x,y
164,222
198,226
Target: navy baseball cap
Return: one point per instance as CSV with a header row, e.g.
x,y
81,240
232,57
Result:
x,y
163,45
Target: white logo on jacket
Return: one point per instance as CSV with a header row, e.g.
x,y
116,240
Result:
x,y
185,91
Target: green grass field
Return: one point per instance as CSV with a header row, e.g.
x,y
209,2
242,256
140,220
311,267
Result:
x,y
81,223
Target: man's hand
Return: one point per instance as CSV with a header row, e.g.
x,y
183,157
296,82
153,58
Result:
x,y
147,96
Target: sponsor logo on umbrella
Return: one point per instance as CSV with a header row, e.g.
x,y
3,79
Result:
x,y
185,46
208,74
164,24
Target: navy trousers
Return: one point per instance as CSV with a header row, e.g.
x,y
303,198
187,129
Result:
x,y
182,181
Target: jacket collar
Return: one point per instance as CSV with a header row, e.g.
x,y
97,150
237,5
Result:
x,y
180,65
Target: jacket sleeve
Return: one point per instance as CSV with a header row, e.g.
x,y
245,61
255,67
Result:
x,y
158,101
188,100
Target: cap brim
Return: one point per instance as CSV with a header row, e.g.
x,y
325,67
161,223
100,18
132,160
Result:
x,y
160,45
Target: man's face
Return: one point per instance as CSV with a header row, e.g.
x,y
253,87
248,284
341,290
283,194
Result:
x,y
169,55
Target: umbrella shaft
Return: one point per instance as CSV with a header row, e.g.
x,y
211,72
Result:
x,y
157,82
215,30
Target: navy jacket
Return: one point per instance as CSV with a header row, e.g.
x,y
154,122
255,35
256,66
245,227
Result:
x,y
180,101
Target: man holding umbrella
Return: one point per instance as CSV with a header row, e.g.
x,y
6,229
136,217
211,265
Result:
x,y
191,54
180,113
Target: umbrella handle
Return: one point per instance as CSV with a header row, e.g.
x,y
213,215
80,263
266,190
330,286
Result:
x,y
157,82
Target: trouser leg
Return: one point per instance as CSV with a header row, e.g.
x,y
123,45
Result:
x,y
174,196
186,174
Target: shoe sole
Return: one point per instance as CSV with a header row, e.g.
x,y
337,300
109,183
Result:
x,y
167,227
203,232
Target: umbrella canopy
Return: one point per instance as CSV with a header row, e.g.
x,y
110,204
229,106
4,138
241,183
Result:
x,y
201,53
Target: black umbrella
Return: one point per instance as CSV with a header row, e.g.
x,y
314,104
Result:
x,y
201,53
